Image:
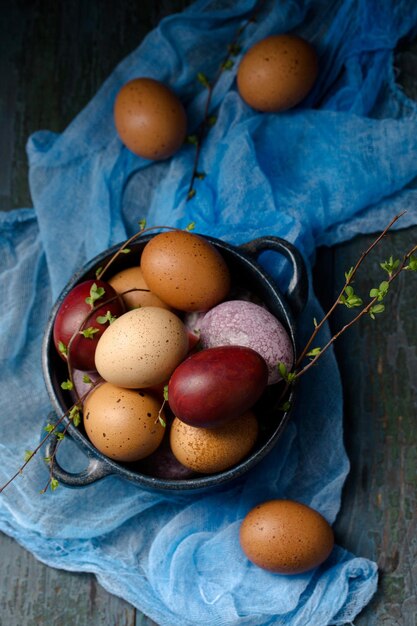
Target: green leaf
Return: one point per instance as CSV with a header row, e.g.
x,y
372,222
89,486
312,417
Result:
x,y
75,415
350,299
142,224
289,377
282,368
190,226
28,455
376,309
390,266
202,78
162,421
315,322
103,319
87,380
54,484
89,332
191,194
381,292
95,294
227,65
412,264
285,407
60,436
166,393
62,348
68,385
348,274
314,352
47,459
125,250
212,120
98,271
49,428
192,139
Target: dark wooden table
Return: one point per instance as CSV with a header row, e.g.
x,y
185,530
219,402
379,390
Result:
x,y
53,57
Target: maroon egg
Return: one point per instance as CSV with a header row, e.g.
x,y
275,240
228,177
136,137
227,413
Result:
x,y
216,385
73,318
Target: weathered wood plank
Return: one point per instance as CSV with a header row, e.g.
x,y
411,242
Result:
x,y
378,362
53,58
33,594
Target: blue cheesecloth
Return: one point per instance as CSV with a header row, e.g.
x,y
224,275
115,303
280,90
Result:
x,y
341,163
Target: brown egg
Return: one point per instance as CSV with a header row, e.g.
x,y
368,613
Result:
x,y
122,423
150,119
130,278
141,348
185,270
208,451
286,537
277,73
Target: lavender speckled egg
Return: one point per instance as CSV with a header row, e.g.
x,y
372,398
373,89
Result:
x,y
242,323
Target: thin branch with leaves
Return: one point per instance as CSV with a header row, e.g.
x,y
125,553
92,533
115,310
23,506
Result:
x,y
350,299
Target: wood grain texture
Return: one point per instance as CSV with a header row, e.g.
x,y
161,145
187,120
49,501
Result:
x,y
378,362
33,594
53,58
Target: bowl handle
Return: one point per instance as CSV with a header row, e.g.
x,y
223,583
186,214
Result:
x,y
297,291
95,470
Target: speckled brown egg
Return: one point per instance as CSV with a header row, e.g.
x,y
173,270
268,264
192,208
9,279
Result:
x,y
122,423
277,73
150,119
141,348
185,270
213,450
286,537
131,278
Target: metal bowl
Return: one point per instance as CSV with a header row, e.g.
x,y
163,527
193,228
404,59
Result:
x,y
246,274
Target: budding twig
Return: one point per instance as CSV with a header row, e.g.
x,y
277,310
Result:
x,y
349,279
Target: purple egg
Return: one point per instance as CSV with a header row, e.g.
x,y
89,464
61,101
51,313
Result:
x,y
242,323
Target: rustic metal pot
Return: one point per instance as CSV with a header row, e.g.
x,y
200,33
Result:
x,y
246,274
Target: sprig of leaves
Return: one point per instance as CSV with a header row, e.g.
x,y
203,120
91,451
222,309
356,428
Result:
x,y
103,319
289,377
227,64
95,294
349,298
89,332
390,266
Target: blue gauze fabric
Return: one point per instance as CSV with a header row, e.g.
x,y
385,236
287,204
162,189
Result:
x,y
341,163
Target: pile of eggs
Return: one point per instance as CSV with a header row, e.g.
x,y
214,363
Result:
x,y
176,365
180,361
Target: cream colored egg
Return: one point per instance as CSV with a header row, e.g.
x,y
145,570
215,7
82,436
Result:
x,y
123,423
132,278
141,348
